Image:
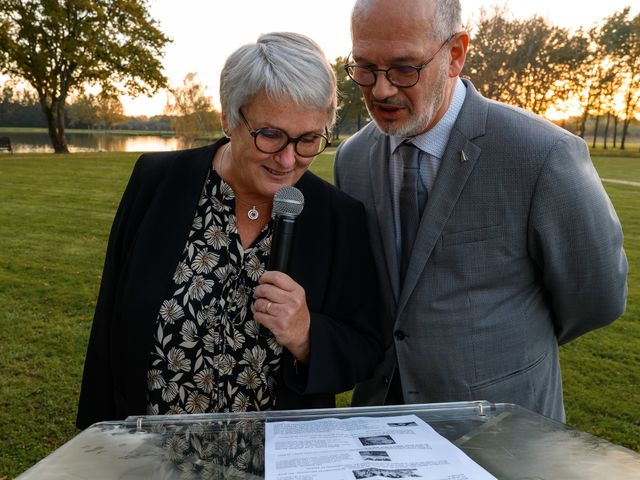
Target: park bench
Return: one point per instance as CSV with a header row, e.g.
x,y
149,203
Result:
x,y
5,144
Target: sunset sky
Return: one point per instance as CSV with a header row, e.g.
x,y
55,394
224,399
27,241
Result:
x,y
205,32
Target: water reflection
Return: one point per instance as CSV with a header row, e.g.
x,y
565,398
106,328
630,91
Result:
x,y
99,142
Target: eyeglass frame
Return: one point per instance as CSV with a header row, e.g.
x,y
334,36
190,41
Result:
x,y
418,69
256,132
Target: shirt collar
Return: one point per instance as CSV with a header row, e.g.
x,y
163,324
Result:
x,y
434,141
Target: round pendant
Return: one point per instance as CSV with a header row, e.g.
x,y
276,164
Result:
x,y
253,213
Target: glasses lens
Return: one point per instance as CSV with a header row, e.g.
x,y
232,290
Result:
x,y
361,75
310,145
403,76
271,140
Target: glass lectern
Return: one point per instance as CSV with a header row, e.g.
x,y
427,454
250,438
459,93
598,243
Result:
x,y
508,441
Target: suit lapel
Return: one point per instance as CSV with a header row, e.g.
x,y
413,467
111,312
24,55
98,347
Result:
x,y
379,174
459,159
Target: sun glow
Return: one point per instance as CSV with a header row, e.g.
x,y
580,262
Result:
x,y
144,105
562,110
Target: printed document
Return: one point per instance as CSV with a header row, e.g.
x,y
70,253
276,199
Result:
x,y
364,447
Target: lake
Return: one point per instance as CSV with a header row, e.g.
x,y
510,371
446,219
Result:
x,y
99,142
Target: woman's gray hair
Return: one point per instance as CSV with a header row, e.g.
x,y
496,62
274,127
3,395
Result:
x,y
282,65
447,18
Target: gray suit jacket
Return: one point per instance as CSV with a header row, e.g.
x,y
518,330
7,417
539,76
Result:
x,y
519,249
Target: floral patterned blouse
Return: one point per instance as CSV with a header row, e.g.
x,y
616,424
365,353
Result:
x,y
208,353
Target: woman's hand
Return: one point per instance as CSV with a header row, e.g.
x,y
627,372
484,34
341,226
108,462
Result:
x,y
281,306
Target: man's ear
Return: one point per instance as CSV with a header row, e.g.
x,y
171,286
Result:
x,y
458,50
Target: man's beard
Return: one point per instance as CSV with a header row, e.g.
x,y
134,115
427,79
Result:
x,y
418,124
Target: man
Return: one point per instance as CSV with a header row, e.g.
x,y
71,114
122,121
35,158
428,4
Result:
x,y
517,247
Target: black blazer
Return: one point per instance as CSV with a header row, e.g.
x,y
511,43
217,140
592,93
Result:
x,y
331,259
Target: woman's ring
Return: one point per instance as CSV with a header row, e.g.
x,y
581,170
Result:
x,y
266,309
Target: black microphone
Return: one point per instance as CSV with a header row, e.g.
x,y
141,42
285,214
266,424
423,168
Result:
x,y
288,203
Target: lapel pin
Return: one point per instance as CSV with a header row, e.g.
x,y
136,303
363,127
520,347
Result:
x,y
463,156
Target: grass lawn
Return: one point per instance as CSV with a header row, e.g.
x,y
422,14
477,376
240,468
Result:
x,y
55,215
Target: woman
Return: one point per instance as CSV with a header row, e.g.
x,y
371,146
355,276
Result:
x,y
188,320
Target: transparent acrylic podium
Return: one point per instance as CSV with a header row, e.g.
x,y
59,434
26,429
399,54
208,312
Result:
x,y
508,441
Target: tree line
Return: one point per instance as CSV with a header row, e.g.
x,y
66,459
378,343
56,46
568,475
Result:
x,y
189,111
60,48
19,107
537,66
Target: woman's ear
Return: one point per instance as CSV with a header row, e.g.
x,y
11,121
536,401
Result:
x,y
224,121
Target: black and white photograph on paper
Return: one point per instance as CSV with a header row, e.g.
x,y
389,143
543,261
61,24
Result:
x,y
382,473
377,440
375,455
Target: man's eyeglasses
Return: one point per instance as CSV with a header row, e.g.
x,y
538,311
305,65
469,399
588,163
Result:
x,y
274,140
402,76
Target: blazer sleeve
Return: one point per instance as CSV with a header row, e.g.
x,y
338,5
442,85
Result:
x,y
345,334
575,238
96,401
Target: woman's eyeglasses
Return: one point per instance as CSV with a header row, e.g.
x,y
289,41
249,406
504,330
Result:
x,y
274,140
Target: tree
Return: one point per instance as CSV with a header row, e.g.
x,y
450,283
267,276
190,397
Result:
x,y
352,109
528,63
91,111
60,46
192,109
19,107
81,113
109,110
592,80
491,60
621,39
610,86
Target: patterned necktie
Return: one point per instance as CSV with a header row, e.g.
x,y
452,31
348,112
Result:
x,y
409,202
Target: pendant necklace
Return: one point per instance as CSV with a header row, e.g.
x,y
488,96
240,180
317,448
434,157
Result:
x,y
253,213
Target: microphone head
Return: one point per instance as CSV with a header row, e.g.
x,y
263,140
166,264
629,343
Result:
x,y
288,202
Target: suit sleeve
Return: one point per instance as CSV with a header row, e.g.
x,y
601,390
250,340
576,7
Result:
x,y
345,342
96,401
575,237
